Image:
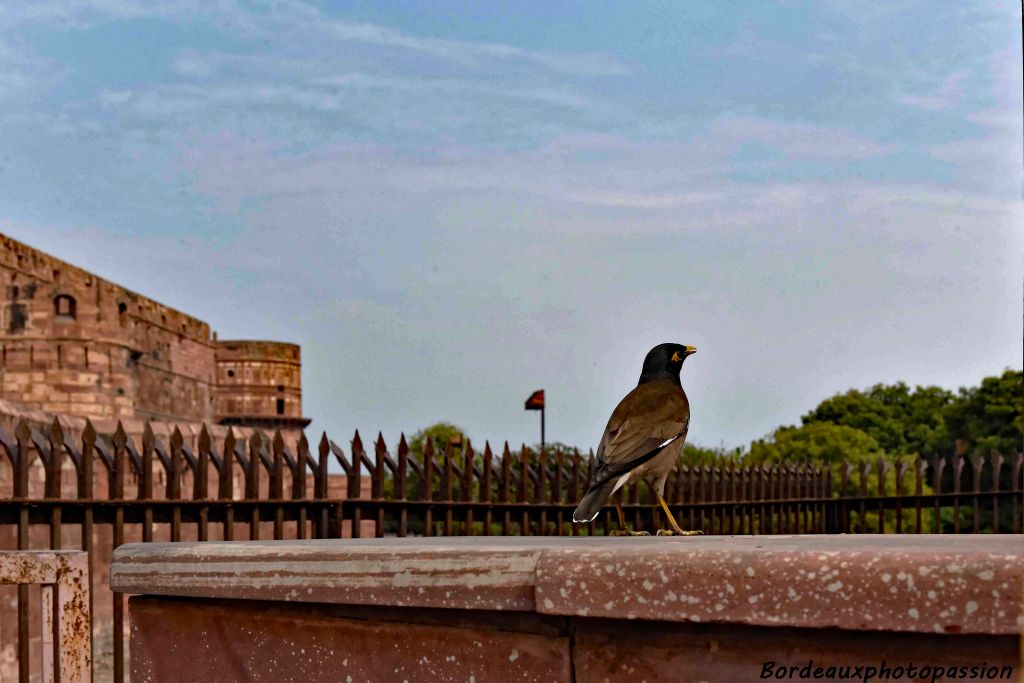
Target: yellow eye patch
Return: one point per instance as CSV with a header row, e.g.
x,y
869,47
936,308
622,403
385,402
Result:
x,y
675,357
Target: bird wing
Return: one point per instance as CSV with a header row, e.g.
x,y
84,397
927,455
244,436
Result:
x,y
648,417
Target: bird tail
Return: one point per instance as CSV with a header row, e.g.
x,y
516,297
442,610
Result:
x,y
594,500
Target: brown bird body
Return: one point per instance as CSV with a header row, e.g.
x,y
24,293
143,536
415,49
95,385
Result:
x,y
644,435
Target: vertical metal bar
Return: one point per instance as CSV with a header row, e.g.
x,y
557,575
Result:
x,y
701,473
22,434
540,494
399,489
863,471
524,479
74,621
505,493
958,466
691,481
277,483
920,466
733,483
49,624
117,494
592,527
85,492
320,486
355,485
757,474
427,493
53,481
200,482
997,470
938,464
144,491
174,472
882,468
901,470
485,487
556,492
226,484
1016,483
828,510
467,486
377,483
446,488
574,487
977,465
299,485
252,485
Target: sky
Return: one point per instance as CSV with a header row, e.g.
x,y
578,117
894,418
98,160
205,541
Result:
x,y
450,205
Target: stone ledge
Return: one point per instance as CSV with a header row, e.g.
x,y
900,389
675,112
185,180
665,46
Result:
x,y
923,584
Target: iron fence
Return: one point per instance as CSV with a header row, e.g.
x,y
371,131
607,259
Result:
x,y
117,486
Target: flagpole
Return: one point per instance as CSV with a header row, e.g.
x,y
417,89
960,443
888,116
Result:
x,y
542,429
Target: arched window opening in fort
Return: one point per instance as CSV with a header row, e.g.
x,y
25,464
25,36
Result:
x,y
231,373
280,387
280,406
65,306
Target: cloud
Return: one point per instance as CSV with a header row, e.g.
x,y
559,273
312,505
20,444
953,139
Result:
x,y
268,19
800,140
466,52
191,66
947,95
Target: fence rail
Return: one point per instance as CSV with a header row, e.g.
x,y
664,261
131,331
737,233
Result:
x,y
114,486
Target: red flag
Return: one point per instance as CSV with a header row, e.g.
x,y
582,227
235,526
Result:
x,y
536,400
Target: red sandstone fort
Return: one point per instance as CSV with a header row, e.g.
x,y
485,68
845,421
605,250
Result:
x,y
74,344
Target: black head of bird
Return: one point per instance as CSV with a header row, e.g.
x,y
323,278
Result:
x,y
665,361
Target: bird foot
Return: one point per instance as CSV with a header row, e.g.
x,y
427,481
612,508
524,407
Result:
x,y
672,532
627,532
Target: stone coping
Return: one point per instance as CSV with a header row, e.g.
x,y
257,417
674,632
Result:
x,y
919,583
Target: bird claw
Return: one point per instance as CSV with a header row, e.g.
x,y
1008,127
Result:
x,y
671,532
627,532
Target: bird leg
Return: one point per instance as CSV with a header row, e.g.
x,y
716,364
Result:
x,y
622,530
675,530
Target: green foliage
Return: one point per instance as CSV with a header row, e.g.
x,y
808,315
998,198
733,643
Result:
x,y
929,420
900,420
815,443
988,417
702,456
440,433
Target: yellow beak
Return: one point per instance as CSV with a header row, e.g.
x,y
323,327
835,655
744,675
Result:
x,y
690,350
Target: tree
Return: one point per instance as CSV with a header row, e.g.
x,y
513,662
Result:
x,y
440,433
988,417
902,421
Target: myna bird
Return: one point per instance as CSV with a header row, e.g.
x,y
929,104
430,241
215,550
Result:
x,y
643,439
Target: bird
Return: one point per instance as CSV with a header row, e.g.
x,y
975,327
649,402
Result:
x,y
643,439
